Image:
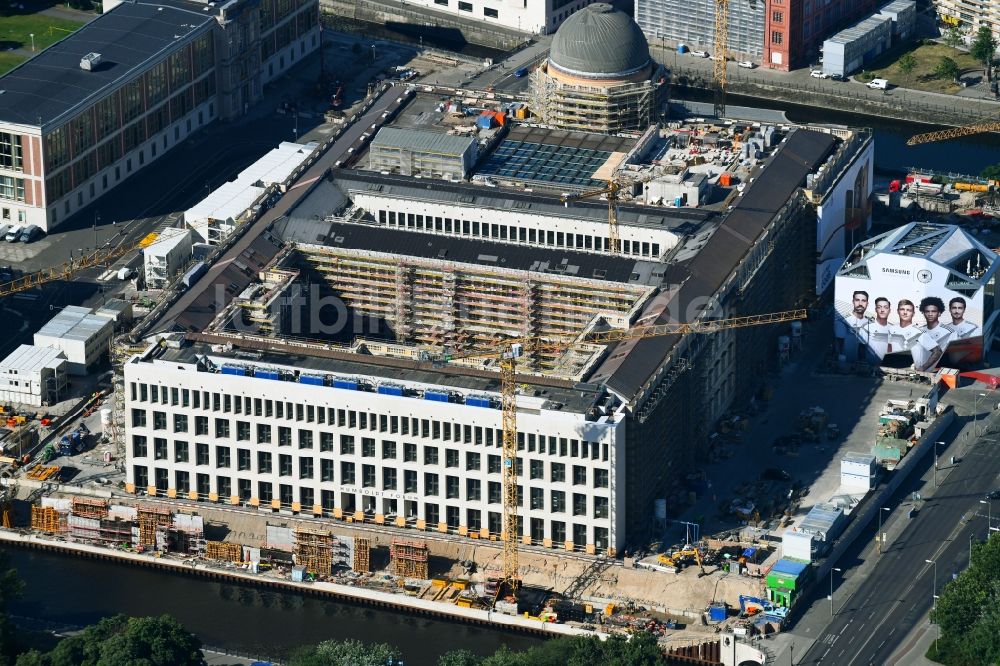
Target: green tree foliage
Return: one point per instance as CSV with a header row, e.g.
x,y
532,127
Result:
x,y
968,610
636,650
984,46
953,38
11,588
124,641
907,63
946,68
345,653
458,658
992,172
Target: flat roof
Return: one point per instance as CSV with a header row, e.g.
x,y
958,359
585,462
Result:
x,y
31,358
169,239
424,141
573,397
72,324
134,34
678,220
232,198
551,261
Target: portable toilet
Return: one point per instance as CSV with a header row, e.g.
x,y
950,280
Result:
x,y
682,48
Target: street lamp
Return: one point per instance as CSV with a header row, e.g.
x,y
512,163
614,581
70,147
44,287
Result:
x,y
373,54
934,595
936,463
989,511
831,588
880,535
32,35
975,414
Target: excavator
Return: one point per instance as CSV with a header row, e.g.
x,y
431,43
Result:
x,y
678,558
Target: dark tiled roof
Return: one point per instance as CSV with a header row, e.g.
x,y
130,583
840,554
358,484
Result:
x,y
802,153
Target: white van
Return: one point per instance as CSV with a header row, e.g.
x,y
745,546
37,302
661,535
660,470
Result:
x,y
878,84
14,233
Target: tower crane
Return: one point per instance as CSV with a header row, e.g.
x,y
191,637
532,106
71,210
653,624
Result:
x,y
69,268
508,351
954,132
721,56
611,189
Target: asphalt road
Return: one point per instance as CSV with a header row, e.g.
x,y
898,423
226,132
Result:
x,y
898,592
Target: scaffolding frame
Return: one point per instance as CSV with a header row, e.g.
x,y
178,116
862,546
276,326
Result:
x,y
606,109
314,551
151,518
47,519
410,558
362,556
223,551
87,507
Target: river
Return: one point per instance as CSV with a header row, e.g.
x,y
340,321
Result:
x,y
69,590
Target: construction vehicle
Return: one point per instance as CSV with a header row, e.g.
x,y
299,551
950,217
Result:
x,y
677,558
508,351
69,268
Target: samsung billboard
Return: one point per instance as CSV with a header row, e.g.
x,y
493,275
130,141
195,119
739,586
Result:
x,y
895,305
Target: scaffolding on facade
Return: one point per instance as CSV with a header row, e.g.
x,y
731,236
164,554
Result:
x,y
87,507
150,518
362,556
47,519
223,551
410,558
437,303
314,551
606,109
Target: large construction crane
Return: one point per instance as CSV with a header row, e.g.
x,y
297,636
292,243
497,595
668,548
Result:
x,y
69,268
954,132
611,190
508,351
721,56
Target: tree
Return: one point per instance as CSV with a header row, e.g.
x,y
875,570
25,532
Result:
x,y
458,658
124,641
346,653
946,69
991,172
984,46
907,64
953,37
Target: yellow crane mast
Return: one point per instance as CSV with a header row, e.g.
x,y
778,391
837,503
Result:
x,y
611,190
69,268
721,56
509,350
954,133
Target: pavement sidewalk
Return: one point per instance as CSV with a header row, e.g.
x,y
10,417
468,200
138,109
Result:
x,y
914,647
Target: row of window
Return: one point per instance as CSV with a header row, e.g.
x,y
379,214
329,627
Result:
x,y
452,516
342,418
10,152
578,505
452,460
504,232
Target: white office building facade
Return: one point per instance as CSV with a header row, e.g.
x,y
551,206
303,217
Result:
x,y
394,454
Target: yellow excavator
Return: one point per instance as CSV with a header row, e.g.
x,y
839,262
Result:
x,y
677,558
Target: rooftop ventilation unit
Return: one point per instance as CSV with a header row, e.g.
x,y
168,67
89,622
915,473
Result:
x,y
90,61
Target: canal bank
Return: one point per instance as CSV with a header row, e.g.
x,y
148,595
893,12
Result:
x,y
896,103
234,614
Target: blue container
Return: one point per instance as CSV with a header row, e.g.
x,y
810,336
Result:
x,y
484,122
682,48
390,390
267,374
717,613
311,379
435,396
233,370
473,401
345,384
678,201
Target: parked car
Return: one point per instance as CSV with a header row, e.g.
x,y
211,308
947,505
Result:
x,y
518,73
993,495
745,64
838,77
878,84
699,54
14,233
4,227
31,233
818,74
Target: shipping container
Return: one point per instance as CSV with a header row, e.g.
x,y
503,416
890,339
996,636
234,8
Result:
x,y
313,380
477,401
233,370
436,396
345,384
267,374
390,390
